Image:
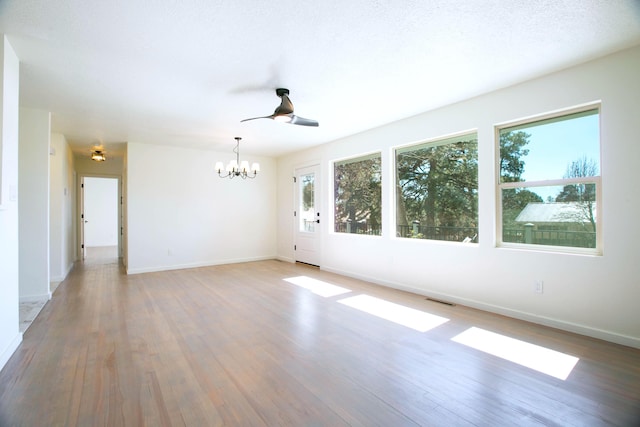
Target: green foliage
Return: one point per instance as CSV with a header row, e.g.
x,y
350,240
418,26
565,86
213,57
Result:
x,y
416,235
512,152
438,185
358,192
514,200
512,165
577,193
307,191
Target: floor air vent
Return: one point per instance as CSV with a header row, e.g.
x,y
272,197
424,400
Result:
x,y
439,301
307,264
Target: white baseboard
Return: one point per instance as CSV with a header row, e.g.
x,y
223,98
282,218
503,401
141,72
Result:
x,y
69,268
516,314
285,259
196,265
35,298
61,278
11,348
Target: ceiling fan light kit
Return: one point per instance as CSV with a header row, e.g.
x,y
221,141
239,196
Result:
x,y
282,118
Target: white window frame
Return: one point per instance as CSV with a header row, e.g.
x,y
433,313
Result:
x,y
431,142
597,180
356,158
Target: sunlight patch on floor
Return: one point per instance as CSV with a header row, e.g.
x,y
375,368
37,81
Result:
x,y
405,316
316,286
532,356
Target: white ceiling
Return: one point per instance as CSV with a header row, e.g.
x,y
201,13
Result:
x,y
186,72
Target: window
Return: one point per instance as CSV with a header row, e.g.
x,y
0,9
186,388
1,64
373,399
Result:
x,y
437,190
358,195
550,181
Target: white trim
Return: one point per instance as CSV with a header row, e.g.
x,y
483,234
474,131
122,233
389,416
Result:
x,y
561,250
285,259
345,235
306,165
516,314
197,264
500,186
80,208
35,298
332,190
552,182
393,179
318,199
593,105
59,279
366,155
11,348
434,142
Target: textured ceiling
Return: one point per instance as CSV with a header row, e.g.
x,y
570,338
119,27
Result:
x,y
186,72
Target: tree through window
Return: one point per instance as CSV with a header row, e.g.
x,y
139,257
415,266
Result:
x,y
549,181
437,190
358,195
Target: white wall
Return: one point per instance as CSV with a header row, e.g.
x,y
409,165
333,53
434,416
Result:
x,y
10,336
100,211
33,205
85,166
181,214
593,295
62,243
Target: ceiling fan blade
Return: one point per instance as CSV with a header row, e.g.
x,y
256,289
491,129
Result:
x,y
255,118
284,112
297,120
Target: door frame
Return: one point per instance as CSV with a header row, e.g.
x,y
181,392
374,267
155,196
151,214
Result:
x,y
318,201
80,225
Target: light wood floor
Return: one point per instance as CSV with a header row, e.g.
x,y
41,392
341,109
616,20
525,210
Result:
x,y
237,345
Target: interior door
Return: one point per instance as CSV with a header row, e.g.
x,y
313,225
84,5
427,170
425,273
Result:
x,y
83,247
307,215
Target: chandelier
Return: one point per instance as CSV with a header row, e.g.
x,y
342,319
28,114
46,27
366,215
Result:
x,y
237,167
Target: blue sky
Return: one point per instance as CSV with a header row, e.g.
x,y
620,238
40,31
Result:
x,y
553,146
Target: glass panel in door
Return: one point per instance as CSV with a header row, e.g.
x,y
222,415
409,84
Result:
x,y
307,209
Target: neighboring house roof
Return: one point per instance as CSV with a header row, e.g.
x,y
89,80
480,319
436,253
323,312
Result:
x,y
575,212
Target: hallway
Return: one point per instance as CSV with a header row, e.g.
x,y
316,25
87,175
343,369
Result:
x,y
29,310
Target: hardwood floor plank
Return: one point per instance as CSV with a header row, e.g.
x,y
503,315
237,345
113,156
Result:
x,y
238,345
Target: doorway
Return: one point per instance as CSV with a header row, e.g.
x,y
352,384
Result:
x,y
100,218
307,215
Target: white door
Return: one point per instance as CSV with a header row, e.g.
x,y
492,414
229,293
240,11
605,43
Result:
x,y
99,216
307,215
100,212
83,248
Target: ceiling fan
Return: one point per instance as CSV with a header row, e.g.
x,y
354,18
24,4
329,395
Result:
x,y
284,112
